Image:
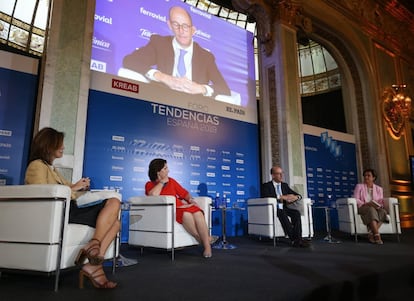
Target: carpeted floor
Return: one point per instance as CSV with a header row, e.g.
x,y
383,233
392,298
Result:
x,y
255,270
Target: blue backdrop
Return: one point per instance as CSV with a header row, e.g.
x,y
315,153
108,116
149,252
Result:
x,y
331,170
205,153
18,87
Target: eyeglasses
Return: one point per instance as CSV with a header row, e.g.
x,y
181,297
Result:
x,y
177,26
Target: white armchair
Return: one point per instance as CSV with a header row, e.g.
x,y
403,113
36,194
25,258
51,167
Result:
x,y
152,222
263,220
34,231
350,221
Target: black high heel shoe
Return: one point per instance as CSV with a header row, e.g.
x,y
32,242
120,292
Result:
x,y
93,279
90,254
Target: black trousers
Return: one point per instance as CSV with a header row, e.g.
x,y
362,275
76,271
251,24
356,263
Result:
x,y
292,226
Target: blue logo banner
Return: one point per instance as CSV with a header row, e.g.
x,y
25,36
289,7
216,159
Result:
x,y
205,153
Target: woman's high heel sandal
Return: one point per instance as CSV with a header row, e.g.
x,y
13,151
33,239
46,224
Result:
x,y
378,240
213,239
371,237
93,279
91,254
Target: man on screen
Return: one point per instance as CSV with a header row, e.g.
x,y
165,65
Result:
x,y
177,61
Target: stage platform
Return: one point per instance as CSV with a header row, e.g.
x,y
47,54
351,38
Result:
x,y
255,270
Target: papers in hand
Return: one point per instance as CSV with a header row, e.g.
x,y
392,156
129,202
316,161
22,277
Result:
x,y
376,203
95,197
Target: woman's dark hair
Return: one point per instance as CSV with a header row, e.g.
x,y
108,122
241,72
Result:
x,y
374,175
45,143
154,167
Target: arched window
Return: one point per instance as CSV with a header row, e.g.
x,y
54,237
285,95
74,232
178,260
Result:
x,y
318,70
23,24
320,87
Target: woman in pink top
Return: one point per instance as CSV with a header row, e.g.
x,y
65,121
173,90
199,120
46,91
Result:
x,y
370,202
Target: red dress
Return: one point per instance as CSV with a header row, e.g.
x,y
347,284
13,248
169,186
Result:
x,y
175,189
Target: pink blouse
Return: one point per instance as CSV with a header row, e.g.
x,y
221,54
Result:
x,y
361,194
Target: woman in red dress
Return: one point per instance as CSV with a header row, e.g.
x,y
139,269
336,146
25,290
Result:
x,y
187,212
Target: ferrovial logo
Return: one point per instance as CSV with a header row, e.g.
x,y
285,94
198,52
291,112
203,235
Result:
x,y
98,66
103,19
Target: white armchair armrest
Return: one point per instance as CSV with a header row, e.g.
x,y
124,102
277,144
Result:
x,y
153,222
263,220
152,200
345,201
34,231
350,221
35,191
392,206
262,201
203,202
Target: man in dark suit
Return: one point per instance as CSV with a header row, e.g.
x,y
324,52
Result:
x,y
177,61
285,195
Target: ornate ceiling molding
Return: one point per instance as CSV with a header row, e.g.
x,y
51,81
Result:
x,y
386,21
266,12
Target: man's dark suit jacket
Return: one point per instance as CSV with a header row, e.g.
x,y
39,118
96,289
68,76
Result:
x,y
159,54
269,191
292,227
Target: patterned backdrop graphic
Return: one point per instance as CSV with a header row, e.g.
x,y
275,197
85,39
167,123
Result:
x,y
205,153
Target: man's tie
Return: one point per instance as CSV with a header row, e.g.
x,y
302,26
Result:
x,y
278,189
181,65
